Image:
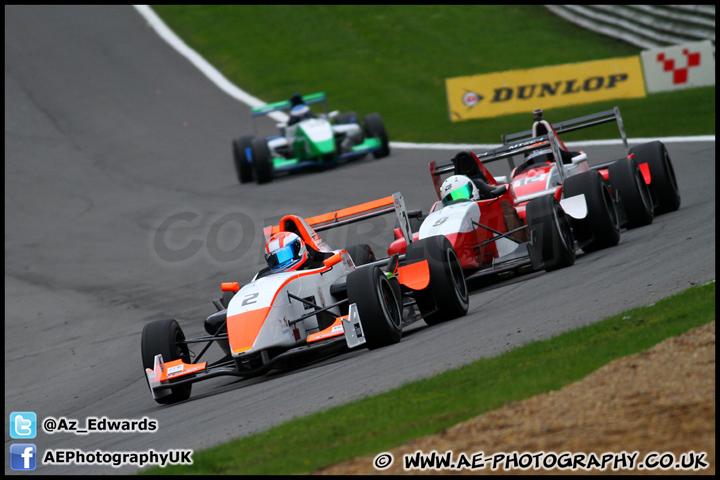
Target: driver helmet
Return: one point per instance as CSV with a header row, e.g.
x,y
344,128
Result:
x,y
458,187
300,112
285,251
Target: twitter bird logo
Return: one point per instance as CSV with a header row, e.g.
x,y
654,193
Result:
x,y
23,425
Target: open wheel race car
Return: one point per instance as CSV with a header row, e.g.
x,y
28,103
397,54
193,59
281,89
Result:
x,y
600,199
643,182
308,140
560,205
487,233
343,299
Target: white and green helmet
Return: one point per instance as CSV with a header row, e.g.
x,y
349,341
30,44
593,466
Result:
x,y
458,187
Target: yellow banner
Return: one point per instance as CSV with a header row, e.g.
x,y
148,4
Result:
x,y
495,94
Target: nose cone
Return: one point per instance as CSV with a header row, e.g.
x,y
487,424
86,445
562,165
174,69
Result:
x,y
315,139
243,329
255,317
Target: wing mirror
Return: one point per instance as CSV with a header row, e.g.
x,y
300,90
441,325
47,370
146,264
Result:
x,y
579,158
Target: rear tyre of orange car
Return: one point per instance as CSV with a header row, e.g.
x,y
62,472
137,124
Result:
x,y
379,307
375,128
663,183
552,229
361,254
164,337
446,296
625,177
601,227
262,161
243,166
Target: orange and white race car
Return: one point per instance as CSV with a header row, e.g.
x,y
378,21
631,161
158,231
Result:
x,y
341,299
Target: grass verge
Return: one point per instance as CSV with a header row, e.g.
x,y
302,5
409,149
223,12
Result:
x,y
378,423
394,59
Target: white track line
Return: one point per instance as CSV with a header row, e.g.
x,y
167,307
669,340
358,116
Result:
x,y
231,89
208,70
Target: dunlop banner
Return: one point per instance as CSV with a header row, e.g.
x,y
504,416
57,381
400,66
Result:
x,y
495,94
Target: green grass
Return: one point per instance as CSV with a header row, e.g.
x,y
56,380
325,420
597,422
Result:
x,y
378,423
394,60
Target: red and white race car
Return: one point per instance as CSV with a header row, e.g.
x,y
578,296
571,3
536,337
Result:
x,y
551,207
340,299
488,234
642,183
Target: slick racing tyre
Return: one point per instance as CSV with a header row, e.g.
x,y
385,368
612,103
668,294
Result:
x,y
375,128
663,183
361,254
600,228
379,307
164,337
551,225
626,178
242,163
446,296
262,162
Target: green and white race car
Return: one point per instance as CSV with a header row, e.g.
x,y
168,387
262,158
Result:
x,y
308,140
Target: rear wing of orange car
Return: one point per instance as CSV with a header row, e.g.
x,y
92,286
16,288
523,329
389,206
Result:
x,y
382,206
415,276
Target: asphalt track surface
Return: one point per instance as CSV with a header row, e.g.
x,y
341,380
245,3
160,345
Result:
x,y
122,207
